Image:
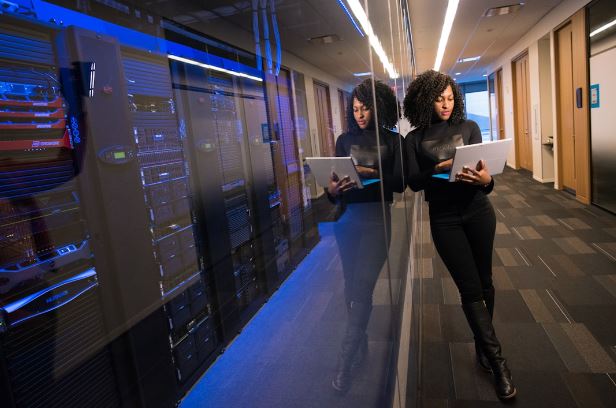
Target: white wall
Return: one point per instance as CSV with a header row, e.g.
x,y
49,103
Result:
x,y
529,42
602,73
535,125
602,128
546,104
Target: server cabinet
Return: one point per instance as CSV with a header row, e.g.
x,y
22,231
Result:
x,y
272,232
288,165
52,330
138,222
165,180
111,185
231,190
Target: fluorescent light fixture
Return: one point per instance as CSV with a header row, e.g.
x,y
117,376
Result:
x,y
324,39
450,15
458,73
348,13
603,28
469,59
361,74
501,11
484,75
214,67
361,16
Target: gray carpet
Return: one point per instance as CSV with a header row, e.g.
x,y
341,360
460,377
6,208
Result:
x,y
555,279
555,276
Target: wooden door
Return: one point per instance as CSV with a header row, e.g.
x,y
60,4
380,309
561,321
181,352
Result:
x,y
565,106
524,148
499,104
324,120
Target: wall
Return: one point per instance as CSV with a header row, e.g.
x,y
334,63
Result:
x,y
535,125
545,110
602,125
530,42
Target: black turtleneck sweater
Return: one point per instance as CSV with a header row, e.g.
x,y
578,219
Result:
x,y
428,146
362,146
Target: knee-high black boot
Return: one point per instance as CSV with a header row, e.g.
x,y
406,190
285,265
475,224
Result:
x,y
481,324
357,321
488,297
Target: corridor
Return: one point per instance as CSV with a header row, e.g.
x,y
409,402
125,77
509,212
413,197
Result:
x,y
555,278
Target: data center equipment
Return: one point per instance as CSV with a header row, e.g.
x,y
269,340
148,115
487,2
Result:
x,y
52,332
221,178
165,181
148,207
300,229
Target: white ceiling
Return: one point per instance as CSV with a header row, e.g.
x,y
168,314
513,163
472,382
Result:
x,y
472,34
299,20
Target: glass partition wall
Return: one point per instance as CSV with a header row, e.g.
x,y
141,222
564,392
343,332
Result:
x,y
162,238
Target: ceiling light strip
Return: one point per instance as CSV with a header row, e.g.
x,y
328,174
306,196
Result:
x,y
450,15
603,28
361,16
214,67
348,13
469,59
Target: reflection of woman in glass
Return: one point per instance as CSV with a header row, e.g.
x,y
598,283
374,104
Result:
x,y
360,232
462,219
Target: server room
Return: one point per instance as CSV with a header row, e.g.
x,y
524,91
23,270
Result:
x,y
167,239
155,199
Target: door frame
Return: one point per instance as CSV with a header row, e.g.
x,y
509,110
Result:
x,y
330,137
498,79
581,116
558,103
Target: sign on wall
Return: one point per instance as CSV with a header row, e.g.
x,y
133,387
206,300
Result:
x,y
595,100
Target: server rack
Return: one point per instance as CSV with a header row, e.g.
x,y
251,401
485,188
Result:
x,y
272,231
111,185
52,332
300,115
124,140
300,228
224,193
165,180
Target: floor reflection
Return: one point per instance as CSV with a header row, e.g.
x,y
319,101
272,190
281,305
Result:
x,y
287,354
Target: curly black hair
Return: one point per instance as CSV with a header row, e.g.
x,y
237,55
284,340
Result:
x,y
421,94
387,106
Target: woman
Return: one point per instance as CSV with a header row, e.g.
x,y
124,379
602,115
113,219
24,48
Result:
x,y
462,219
376,151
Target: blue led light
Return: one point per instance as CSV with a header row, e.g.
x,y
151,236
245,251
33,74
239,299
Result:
x,y
11,307
126,36
75,130
87,288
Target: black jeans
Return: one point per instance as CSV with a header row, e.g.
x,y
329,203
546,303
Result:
x,y
363,247
463,234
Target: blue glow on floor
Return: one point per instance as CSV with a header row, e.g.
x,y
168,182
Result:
x,y
243,360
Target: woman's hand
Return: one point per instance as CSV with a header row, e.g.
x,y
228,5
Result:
x,y
480,176
443,166
339,185
367,172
